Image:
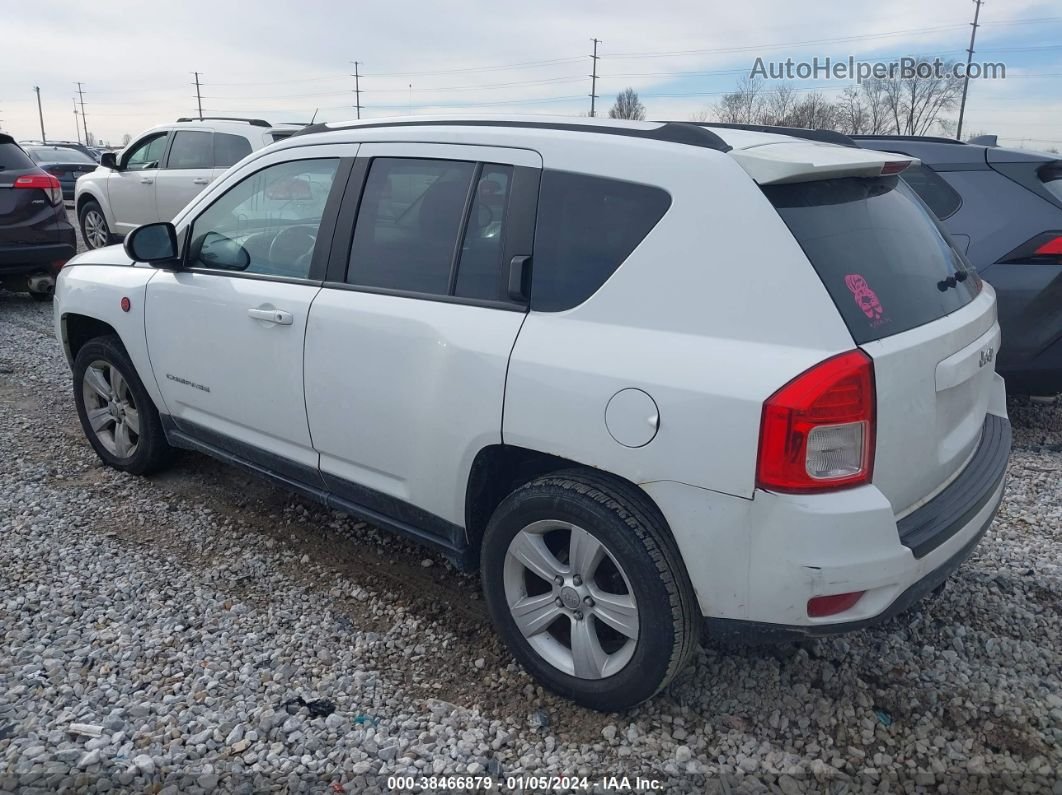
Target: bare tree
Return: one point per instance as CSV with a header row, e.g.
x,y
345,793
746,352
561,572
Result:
x,y
813,111
778,106
916,103
627,106
126,139
745,105
701,116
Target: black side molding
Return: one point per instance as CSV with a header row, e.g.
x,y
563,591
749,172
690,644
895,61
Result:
x,y
952,509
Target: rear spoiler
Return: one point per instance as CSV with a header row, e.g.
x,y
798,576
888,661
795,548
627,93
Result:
x,y
804,161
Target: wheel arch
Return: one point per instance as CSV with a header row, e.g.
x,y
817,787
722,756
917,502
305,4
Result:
x,y
77,329
93,194
500,469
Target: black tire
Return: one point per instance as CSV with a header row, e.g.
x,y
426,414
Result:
x,y
634,533
93,206
41,297
151,452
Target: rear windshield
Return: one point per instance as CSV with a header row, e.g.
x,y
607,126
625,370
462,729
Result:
x,y
881,256
13,158
58,154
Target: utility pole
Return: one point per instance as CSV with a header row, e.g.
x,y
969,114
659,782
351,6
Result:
x,y
593,77
40,113
357,91
84,121
77,127
969,60
410,99
198,96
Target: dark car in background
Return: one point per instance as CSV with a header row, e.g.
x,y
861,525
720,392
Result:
x,y
36,237
1004,208
91,151
64,163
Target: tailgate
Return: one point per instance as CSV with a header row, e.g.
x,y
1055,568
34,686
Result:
x,y
934,384
912,304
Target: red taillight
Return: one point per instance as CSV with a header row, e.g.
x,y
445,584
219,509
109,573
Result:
x,y
1052,248
45,182
894,167
821,606
817,431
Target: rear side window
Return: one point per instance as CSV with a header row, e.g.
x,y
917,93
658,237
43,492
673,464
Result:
x,y
191,149
587,226
12,158
230,149
931,188
881,256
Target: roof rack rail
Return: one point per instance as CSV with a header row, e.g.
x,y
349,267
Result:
x,y
932,139
671,131
253,122
822,136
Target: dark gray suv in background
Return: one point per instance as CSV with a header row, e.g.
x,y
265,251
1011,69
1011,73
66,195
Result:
x,y
36,237
1004,208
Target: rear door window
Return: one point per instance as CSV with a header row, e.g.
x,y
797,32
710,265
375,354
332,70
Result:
x,y
587,226
191,149
881,256
409,222
230,149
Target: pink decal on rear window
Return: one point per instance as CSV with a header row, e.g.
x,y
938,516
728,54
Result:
x,y
866,298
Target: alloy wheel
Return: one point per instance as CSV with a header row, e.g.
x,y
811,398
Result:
x,y
95,229
110,408
570,599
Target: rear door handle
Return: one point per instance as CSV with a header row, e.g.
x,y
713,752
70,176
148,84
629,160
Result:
x,y
146,180
201,181
278,316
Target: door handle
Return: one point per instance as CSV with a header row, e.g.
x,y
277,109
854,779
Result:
x,y
201,181
278,316
146,180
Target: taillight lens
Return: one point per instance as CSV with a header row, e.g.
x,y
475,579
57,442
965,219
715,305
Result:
x,y
1051,248
894,167
817,431
45,182
1045,247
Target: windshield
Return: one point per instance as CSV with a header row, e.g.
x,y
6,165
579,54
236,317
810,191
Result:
x,y
882,257
58,154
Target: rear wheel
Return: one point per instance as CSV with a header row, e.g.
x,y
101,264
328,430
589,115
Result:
x,y
94,229
585,586
116,412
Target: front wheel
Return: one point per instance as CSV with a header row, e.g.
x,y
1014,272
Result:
x,y
586,587
116,412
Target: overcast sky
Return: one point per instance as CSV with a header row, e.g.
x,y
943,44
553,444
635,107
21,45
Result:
x,y
286,60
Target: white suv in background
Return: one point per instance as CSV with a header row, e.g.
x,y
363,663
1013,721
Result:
x,y
646,377
162,170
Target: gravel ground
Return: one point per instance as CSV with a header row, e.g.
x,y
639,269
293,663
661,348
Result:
x,y
178,614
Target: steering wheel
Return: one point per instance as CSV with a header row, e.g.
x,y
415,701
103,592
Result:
x,y
291,245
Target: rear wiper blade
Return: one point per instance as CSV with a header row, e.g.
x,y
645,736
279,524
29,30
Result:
x,y
952,281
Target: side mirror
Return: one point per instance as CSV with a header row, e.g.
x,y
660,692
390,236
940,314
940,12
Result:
x,y
109,160
155,244
215,250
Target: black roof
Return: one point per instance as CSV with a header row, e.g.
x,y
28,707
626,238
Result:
x,y
807,133
672,132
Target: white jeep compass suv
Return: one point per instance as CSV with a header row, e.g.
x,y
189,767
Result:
x,y
649,378
162,170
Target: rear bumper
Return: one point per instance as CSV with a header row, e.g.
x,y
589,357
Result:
x,y
755,563
23,259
